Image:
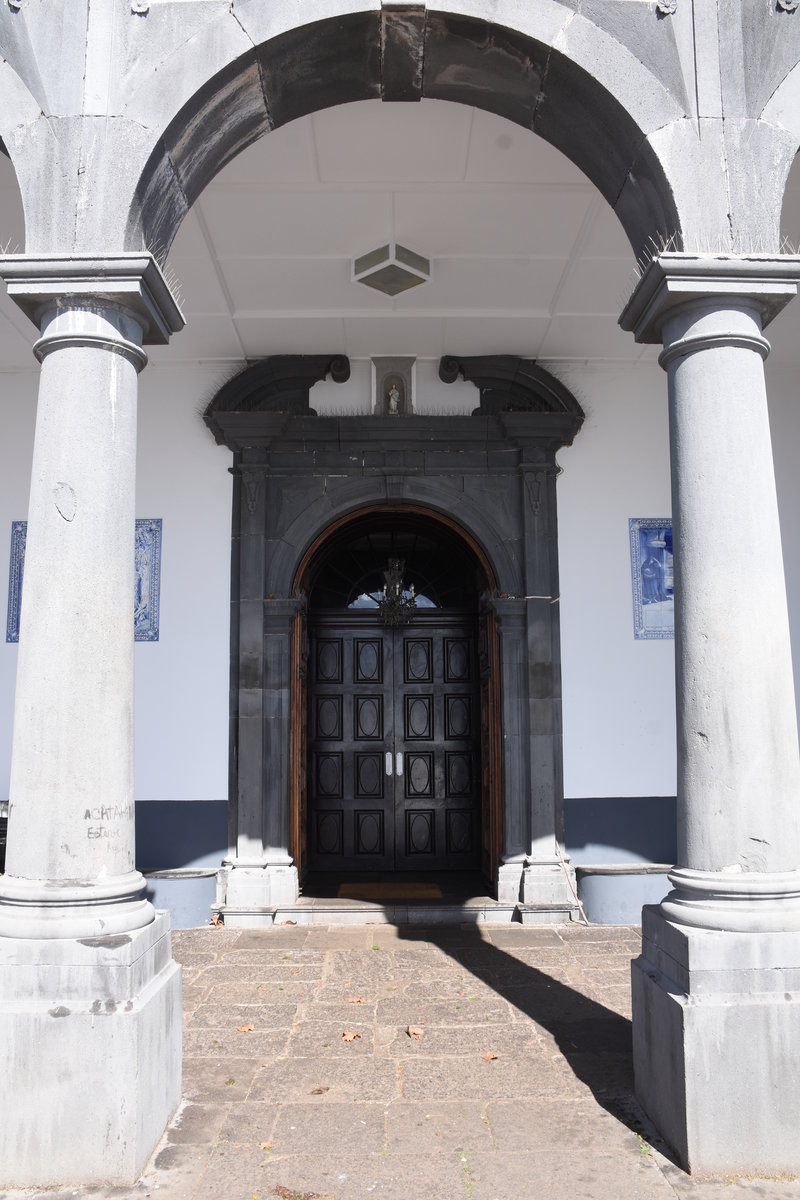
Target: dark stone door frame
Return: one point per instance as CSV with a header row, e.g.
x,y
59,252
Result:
x,y
492,476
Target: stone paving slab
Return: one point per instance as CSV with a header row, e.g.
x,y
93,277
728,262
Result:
x,y
438,1127
222,1016
515,1082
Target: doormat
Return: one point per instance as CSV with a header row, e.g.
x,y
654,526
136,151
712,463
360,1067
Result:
x,y
389,891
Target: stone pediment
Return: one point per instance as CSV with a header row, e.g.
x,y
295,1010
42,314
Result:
x,y
278,384
267,405
510,384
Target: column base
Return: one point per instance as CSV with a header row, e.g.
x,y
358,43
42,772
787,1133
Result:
x,y
541,891
746,901
716,1021
41,908
247,896
90,1055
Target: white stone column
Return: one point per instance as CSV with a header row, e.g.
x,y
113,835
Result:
x,y
717,986
78,940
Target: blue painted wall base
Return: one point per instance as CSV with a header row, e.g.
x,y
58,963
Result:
x,y
188,898
177,835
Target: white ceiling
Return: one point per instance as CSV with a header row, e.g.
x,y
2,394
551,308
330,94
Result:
x,y
527,257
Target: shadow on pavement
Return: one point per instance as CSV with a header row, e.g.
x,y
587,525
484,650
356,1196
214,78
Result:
x,y
594,1040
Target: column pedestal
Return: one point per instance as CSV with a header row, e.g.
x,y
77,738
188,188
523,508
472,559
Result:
x,y
716,1027
716,991
248,896
90,1055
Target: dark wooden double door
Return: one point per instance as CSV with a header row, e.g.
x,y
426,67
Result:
x,y
394,744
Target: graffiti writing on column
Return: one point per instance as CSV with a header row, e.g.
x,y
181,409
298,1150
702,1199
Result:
x,y
100,816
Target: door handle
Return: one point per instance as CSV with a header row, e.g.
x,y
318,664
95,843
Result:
x,y
399,762
388,760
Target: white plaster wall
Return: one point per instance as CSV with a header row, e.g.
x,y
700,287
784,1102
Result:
x,y
783,389
618,693
17,420
182,680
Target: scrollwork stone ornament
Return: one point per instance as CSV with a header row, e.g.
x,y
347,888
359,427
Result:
x,y
15,5
666,8
140,7
252,486
788,5
533,487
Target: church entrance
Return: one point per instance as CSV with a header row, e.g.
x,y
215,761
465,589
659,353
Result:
x,y
395,670
394,701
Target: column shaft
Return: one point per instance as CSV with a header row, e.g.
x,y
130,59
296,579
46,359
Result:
x,y
71,819
738,763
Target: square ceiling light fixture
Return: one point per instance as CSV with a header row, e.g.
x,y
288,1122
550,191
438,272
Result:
x,y
391,269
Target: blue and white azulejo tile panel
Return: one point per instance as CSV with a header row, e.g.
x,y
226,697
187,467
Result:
x,y
651,577
19,531
147,579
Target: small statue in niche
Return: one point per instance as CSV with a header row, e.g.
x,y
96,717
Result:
x,y
393,401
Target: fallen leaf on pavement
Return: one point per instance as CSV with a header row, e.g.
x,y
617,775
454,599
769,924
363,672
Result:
x,y
350,1035
217,919
319,1091
265,1145
245,1028
489,1057
356,1000
415,1032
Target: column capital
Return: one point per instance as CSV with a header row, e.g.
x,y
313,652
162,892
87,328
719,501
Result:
x,y
509,610
674,280
280,612
132,282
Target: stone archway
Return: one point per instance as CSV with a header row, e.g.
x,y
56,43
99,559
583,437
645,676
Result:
x,y
538,68
109,159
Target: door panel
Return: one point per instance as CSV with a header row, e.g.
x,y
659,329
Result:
x,y
436,703
394,744
351,810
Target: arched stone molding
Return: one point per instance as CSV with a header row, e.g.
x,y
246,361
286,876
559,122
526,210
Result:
x,y
18,110
782,113
545,67
783,107
351,498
